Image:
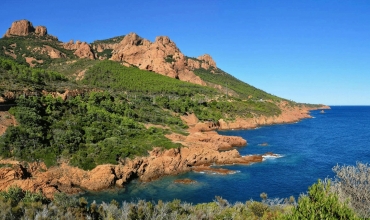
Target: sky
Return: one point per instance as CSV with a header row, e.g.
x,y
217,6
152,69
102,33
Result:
x,y
305,51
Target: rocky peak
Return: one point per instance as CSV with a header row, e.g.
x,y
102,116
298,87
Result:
x,y
163,40
207,61
162,56
24,28
132,39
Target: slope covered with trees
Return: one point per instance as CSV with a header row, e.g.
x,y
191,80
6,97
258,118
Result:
x,y
107,125
242,89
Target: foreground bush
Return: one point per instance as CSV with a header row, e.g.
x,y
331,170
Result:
x,y
352,184
18,204
321,203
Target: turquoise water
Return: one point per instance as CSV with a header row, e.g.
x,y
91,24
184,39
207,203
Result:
x,y
309,149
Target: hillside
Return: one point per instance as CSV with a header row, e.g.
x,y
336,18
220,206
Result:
x,y
124,101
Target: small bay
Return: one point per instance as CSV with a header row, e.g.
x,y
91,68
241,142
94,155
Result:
x,y
309,149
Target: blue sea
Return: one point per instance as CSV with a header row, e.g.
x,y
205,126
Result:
x,y
309,150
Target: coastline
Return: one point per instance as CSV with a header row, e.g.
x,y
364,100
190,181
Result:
x,y
203,147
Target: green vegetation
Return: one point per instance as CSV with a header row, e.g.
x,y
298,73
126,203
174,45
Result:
x,y
178,96
88,131
71,68
169,59
321,202
242,89
32,46
104,122
18,204
17,77
112,75
111,40
107,53
105,127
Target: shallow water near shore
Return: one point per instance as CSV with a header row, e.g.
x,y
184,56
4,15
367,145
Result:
x,y
309,149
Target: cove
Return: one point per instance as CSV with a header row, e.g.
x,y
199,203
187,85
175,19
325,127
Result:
x,y
309,150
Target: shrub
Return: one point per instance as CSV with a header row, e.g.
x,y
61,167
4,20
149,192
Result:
x,y
353,183
320,203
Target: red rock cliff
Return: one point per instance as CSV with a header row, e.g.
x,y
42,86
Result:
x,y
162,56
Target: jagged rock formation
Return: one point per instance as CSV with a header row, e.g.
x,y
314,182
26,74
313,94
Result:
x,y
162,56
24,28
82,49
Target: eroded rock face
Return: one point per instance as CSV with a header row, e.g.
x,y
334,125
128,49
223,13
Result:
x,y
207,61
41,30
24,28
82,49
20,28
52,52
162,56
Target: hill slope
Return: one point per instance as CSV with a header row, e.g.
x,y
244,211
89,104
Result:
x,y
74,104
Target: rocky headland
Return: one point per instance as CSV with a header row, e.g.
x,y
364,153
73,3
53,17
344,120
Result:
x,y
201,149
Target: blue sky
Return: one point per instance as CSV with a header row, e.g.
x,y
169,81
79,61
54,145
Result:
x,y
306,51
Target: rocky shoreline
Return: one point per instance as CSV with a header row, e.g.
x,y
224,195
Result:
x,y
201,148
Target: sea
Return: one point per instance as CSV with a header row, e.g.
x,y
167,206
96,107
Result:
x,y
308,150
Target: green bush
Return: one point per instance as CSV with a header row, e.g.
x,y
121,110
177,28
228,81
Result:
x,y
321,203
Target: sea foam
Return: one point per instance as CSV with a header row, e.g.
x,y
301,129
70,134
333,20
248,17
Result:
x,y
274,156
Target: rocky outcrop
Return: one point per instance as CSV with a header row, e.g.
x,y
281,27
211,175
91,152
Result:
x,y
41,31
162,56
82,49
24,28
52,52
159,163
207,62
32,61
201,149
